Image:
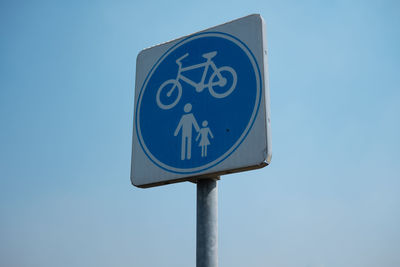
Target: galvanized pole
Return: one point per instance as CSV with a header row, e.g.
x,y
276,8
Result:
x,y
207,223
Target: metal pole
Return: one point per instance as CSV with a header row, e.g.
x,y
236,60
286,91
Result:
x,y
207,223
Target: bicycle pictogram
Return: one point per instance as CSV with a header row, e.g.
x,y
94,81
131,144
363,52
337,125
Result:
x,y
218,78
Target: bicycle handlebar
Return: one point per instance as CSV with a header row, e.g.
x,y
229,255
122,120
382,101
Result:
x,y
182,57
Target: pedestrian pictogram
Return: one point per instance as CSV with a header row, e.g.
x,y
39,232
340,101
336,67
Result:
x,y
204,133
185,126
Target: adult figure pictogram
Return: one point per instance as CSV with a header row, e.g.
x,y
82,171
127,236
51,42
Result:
x,y
185,125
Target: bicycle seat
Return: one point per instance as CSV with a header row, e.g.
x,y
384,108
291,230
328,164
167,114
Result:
x,y
210,55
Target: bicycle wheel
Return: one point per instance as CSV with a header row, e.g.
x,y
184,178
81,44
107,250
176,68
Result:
x,y
228,75
166,98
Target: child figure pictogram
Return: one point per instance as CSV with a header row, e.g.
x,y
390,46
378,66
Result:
x,y
203,135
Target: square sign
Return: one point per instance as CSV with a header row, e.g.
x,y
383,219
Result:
x,y
202,105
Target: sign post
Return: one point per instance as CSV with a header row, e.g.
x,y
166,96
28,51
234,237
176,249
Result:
x,y
207,223
202,111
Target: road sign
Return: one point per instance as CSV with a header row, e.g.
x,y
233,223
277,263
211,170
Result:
x,y
201,105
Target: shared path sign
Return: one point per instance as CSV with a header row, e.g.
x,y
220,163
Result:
x,y
202,105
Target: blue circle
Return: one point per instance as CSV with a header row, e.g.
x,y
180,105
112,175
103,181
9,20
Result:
x,y
227,106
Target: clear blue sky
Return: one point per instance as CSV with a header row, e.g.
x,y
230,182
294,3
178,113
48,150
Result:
x,y
331,196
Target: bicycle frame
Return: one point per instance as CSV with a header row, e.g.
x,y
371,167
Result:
x,y
198,86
